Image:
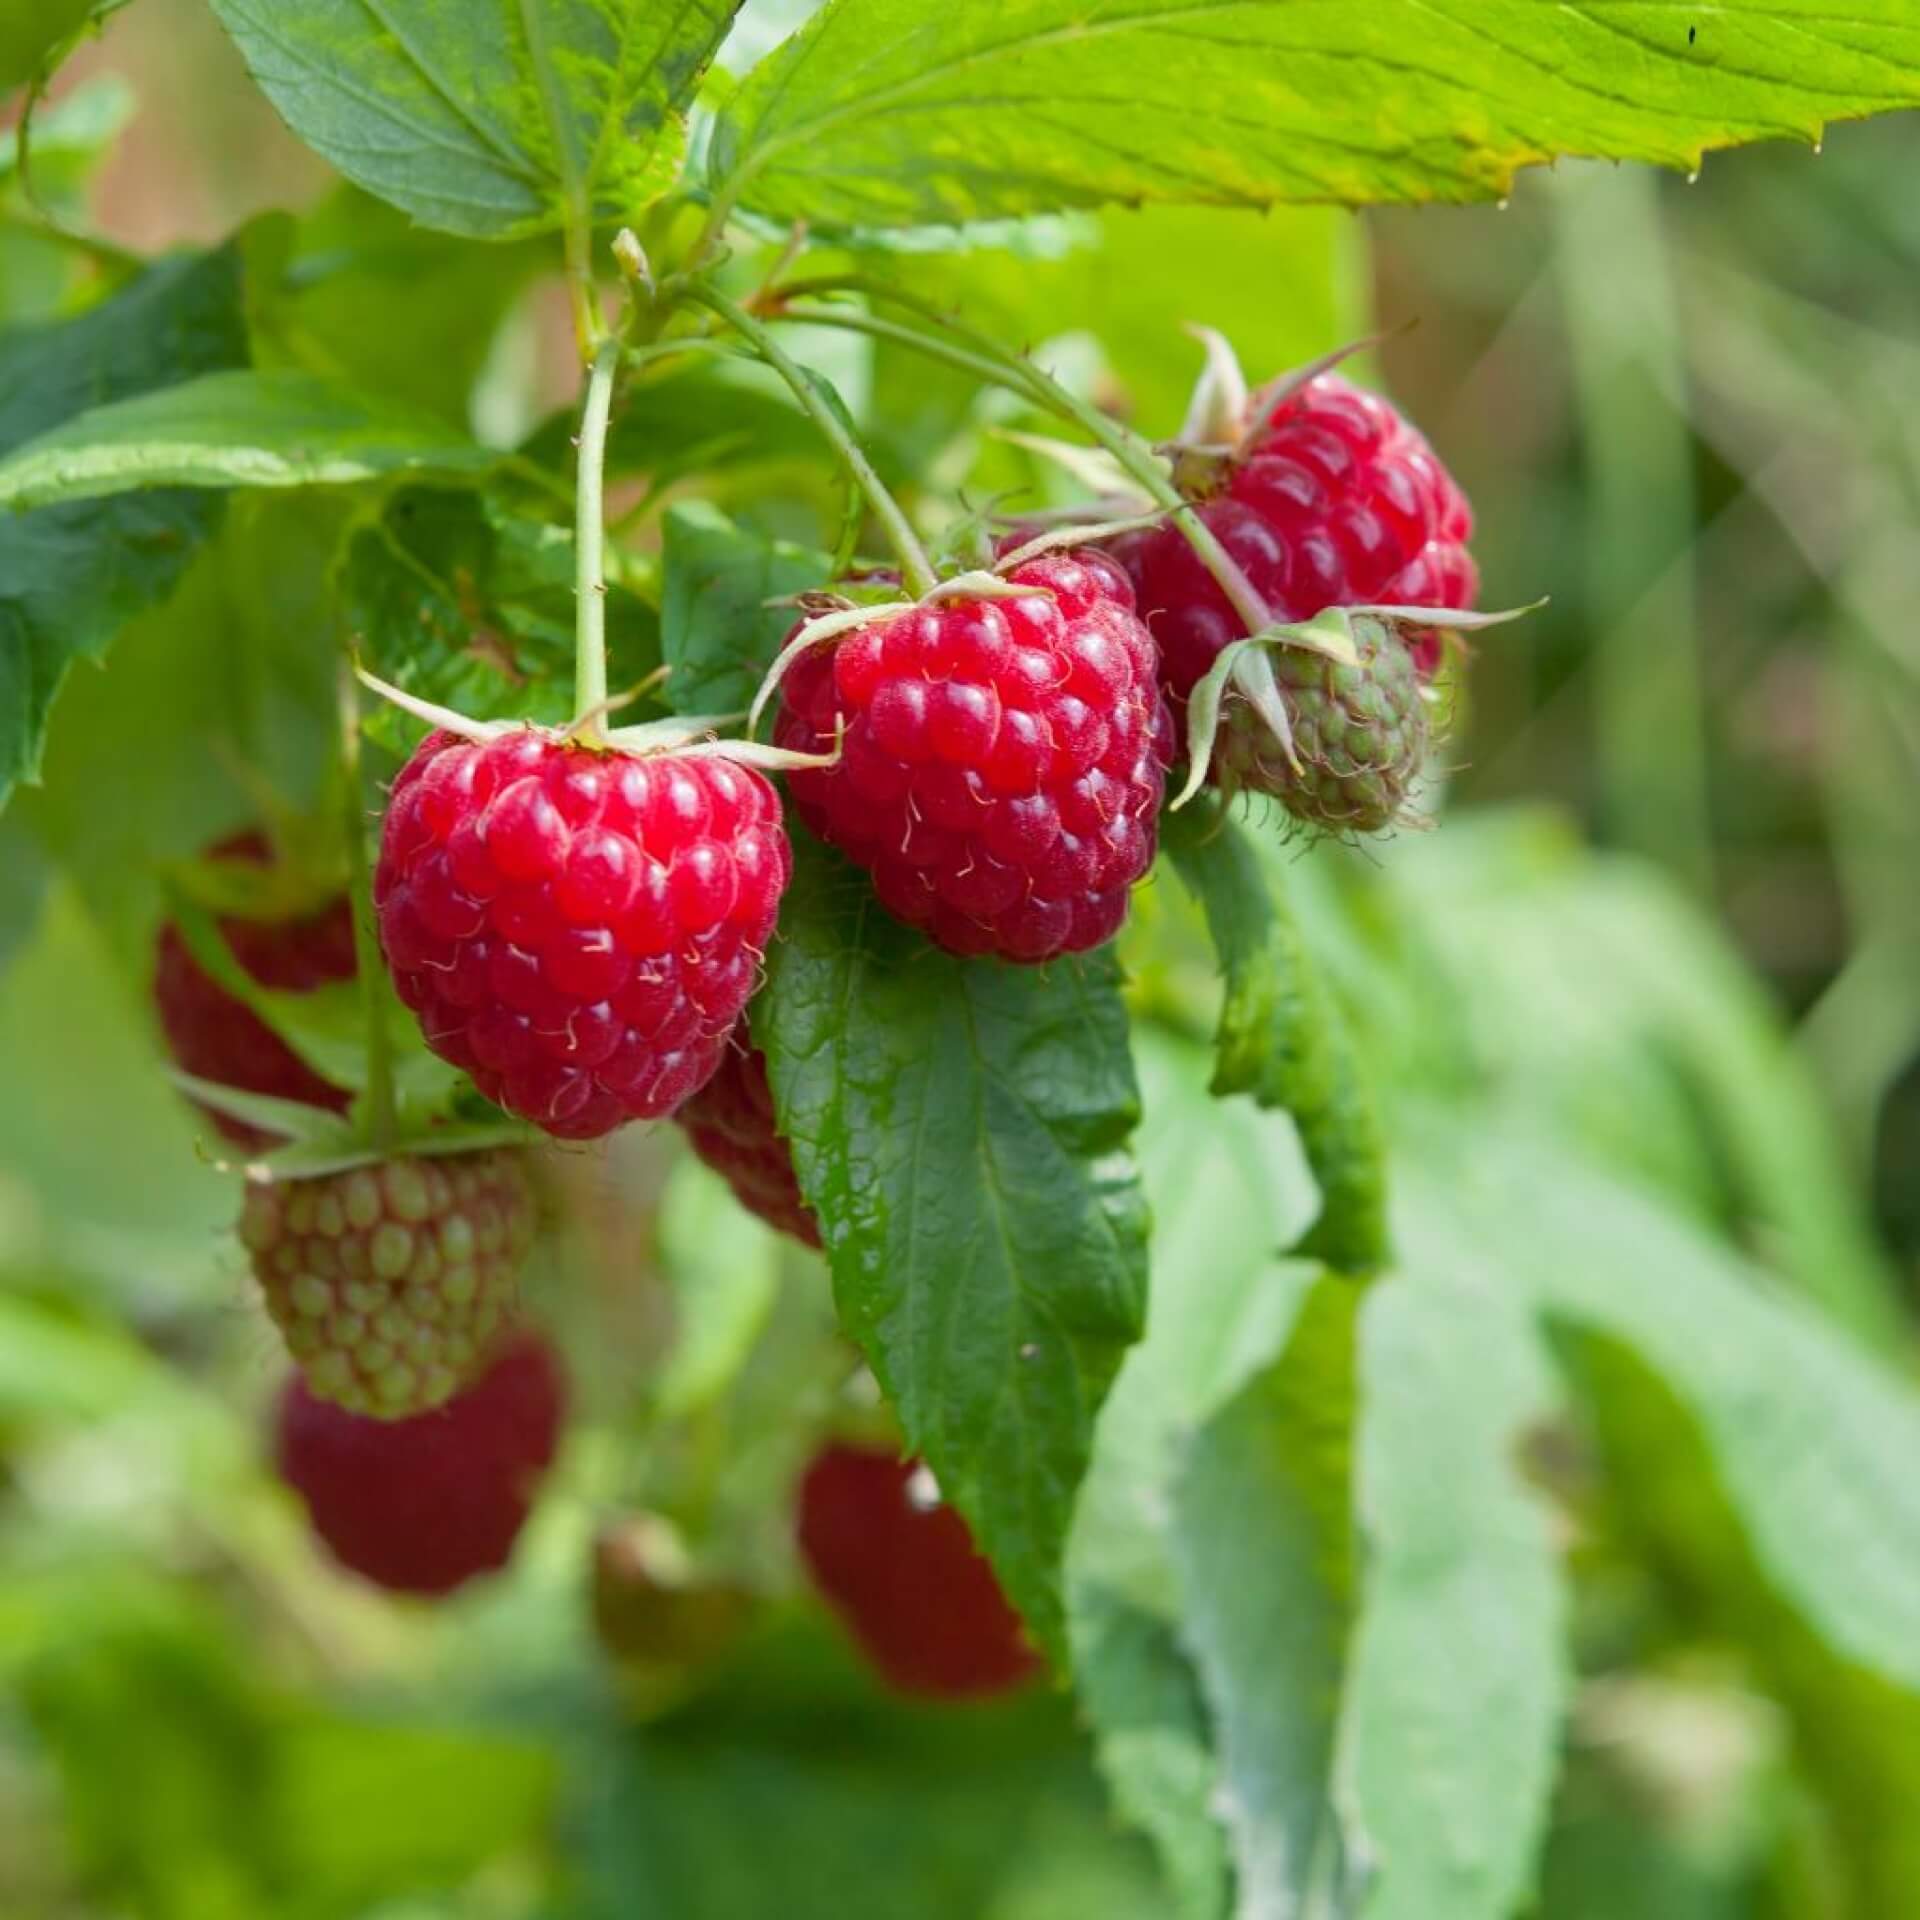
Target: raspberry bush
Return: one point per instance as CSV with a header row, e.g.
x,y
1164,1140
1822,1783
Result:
x,y
1186,1351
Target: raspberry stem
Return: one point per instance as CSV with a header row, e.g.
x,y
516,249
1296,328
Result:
x,y
378,1112
916,571
590,584
982,354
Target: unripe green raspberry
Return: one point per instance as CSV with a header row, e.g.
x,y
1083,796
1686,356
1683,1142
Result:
x,y
390,1282
1359,734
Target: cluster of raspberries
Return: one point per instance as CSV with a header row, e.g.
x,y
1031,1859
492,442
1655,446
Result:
x,y
580,931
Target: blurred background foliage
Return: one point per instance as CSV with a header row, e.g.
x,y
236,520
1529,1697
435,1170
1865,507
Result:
x,y
1685,409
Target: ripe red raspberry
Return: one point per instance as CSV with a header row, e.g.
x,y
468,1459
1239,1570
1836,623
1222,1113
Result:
x,y
906,1579
578,930
421,1505
390,1283
1335,501
213,1036
731,1125
1003,760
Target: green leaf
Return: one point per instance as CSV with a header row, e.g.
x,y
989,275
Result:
x,y
365,1809
1450,1725
1228,1189
71,577
1812,1436
959,1129
312,285
458,600
488,119
32,29
881,114
1153,1744
717,632
241,428
1282,1037
1264,1540
1856,1737
723,1266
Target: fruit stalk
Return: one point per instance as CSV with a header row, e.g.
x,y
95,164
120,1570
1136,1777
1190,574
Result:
x,y
916,571
979,353
590,583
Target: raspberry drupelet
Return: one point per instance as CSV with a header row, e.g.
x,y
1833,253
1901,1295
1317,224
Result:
x,y
1003,760
1335,501
577,929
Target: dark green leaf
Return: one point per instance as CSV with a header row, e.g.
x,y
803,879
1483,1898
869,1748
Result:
x,y
1283,1038
717,631
466,604
242,428
491,119
1263,1535
960,1128
880,113
1450,1726
70,577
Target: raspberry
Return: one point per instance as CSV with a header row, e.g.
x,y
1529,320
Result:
x,y
1359,734
730,1123
213,1036
1003,760
906,1579
578,930
664,1626
421,1505
389,1282
1335,501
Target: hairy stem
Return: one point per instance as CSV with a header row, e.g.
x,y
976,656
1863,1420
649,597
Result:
x,y
915,568
590,584
1136,457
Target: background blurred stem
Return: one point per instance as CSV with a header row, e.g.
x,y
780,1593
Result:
x,y
1627,356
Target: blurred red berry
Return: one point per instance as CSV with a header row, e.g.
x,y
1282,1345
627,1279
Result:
x,y
213,1036
422,1505
907,1580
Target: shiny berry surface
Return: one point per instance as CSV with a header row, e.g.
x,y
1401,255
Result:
x,y
423,1505
213,1036
906,1579
577,930
1336,501
730,1123
390,1283
1003,760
